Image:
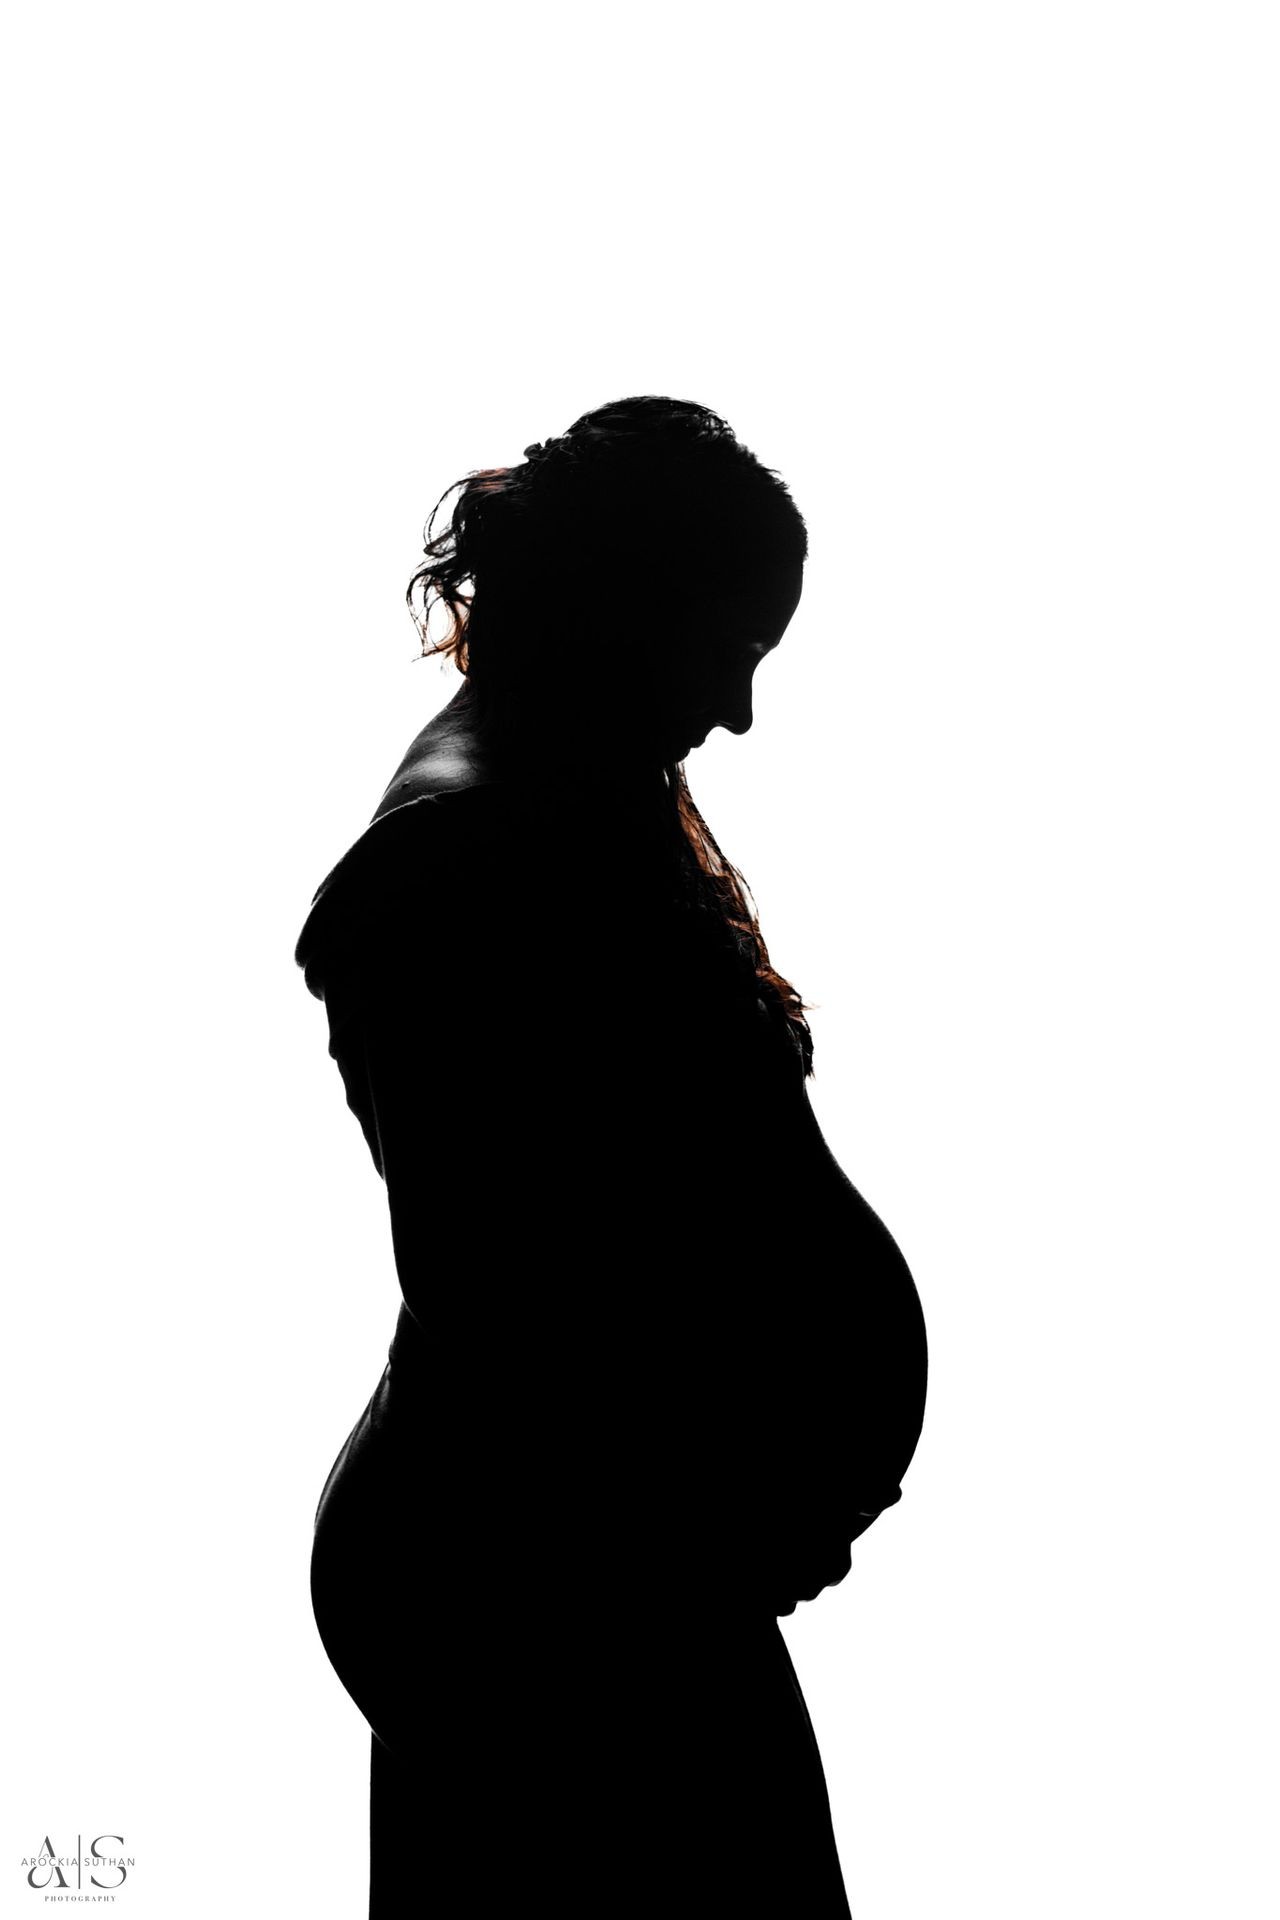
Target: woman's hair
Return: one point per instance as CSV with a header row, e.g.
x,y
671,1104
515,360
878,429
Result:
x,y
604,530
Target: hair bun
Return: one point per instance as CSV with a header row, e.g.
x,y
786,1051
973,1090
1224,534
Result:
x,y
541,448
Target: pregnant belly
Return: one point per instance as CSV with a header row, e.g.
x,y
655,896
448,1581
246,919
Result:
x,y
831,1359
716,1407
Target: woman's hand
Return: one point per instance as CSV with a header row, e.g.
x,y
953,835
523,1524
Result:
x,y
804,1538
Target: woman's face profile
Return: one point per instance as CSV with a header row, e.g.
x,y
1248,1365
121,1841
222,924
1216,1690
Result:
x,y
704,679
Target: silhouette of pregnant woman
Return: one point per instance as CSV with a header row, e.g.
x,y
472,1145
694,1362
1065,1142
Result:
x,y
657,1364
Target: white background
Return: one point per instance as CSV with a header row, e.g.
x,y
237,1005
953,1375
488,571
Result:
x,y
995,288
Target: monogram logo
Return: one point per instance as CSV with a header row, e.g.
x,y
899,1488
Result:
x,y
47,1868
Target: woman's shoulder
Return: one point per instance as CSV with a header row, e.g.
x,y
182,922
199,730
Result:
x,y
450,858
430,842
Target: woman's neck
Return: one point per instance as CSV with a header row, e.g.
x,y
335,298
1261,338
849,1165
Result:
x,y
504,741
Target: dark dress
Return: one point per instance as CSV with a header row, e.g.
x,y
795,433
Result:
x,y
656,1366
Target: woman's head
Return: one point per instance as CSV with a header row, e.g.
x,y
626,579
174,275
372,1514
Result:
x,y
625,581
626,576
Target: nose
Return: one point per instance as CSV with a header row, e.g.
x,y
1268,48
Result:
x,y
735,715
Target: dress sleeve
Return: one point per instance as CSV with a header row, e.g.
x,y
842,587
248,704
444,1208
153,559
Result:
x,y
391,947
